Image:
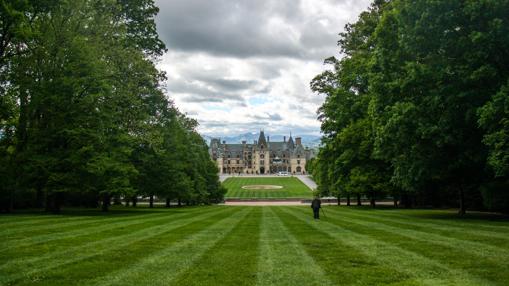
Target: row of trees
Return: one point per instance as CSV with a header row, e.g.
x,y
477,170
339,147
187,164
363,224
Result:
x,y
83,117
418,106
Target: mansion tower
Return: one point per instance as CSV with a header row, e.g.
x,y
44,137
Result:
x,y
261,157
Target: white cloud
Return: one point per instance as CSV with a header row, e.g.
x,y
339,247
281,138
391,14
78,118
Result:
x,y
238,66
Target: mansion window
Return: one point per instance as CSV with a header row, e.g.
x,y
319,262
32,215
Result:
x,y
298,162
228,161
262,162
262,156
238,161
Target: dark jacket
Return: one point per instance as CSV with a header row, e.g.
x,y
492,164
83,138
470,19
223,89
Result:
x,y
316,204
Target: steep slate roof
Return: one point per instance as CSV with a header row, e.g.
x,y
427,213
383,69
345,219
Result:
x,y
235,150
299,150
275,148
291,144
261,139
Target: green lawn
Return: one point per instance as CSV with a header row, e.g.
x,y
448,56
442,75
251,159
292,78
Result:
x,y
292,188
223,245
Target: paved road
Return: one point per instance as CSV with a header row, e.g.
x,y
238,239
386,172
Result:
x,y
306,179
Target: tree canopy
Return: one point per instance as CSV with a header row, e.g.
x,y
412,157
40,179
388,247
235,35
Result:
x,y
83,114
417,103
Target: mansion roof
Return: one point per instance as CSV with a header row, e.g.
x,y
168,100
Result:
x,y
280,149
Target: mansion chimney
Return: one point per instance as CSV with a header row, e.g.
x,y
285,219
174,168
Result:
x,y
284,139
298,141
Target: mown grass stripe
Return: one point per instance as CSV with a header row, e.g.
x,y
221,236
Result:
x,y
7,230
472,230
105,270
60,225
232,261
342,263
489,265
52,220
282,259
22,221
494,241
416,268
64,233
51,260
441,217
484,251
163,266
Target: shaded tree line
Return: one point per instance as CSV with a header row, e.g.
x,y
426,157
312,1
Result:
x,y
83,116
417,106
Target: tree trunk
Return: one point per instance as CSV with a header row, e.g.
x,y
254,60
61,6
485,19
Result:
x,y
151,202
405,199
395,200
106,202
168,202
39,198
463,209
58,203
135,201
359,203
339,200
179,202
10,204
48,204
127,201
53,202
348,199
372,201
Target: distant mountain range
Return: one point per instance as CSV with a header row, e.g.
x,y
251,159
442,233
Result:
x,y
311,141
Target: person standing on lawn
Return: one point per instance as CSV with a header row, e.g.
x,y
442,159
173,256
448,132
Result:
x,y
316,204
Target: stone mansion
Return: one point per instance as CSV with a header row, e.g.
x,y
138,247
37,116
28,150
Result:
x,y
261,157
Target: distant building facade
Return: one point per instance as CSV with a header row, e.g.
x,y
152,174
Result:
x,y
261,157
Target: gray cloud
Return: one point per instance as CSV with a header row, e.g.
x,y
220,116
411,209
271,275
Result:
x,y
233,84
245,28
193,92
233,28
231,59
268,117
203,89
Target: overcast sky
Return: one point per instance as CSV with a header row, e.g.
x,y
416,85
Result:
x,y
242,65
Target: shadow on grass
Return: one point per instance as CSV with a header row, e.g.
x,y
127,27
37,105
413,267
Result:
x,y
430,213
113,211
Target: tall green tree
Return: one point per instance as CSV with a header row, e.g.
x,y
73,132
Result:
x,y
418,101
83,114
347,164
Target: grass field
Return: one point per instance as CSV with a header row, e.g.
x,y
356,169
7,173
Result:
x,y
292,188
254,246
